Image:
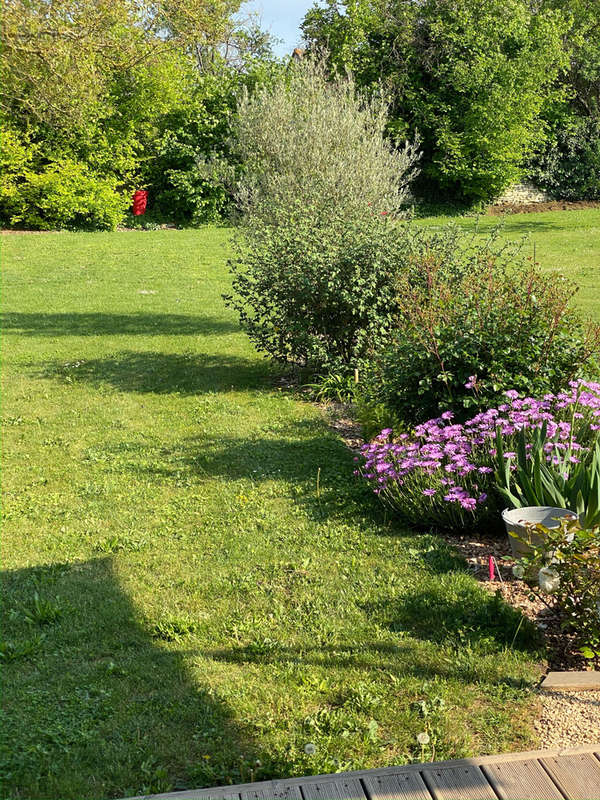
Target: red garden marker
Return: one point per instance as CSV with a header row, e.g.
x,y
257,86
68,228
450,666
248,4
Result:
x,y
140,198
491,567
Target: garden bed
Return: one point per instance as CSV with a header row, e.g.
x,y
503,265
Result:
x,y
534,208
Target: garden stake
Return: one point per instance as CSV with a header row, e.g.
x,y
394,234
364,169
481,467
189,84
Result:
x,y
517,631
491,567
498,570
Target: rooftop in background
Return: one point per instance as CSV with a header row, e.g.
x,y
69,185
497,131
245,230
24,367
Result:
x,y
281,19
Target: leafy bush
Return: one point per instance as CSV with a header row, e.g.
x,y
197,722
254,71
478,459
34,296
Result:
x,y
313,276
16,155
447,474
333,387
569,168
472,319
568,564
65,194
193,135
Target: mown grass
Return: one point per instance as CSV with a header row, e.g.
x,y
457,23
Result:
x,y
195,586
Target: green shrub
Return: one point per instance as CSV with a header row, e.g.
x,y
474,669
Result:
x,y
16,155
65,194
472,77
184,187
474,318
569,168
313,276
568,572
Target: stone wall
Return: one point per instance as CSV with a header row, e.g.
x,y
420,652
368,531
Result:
x,y
523,193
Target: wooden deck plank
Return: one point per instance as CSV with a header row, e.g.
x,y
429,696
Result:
x,y
403,786
458,783
273,792
305,783
517,780
578,776
343,789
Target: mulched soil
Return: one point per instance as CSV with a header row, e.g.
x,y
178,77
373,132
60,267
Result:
x,y
476,548
535,208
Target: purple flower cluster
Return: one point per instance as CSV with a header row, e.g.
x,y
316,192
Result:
x,y
451,463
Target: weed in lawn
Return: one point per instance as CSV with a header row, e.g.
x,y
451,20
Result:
x,y
21,650
41,611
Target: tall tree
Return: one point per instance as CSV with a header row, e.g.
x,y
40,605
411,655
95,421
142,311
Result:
x,y
59,58
470,75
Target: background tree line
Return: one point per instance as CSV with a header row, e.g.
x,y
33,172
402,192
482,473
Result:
x,y
100,98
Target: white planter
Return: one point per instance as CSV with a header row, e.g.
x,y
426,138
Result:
x,y
517,519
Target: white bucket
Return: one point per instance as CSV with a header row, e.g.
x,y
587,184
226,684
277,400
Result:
x,y
517,519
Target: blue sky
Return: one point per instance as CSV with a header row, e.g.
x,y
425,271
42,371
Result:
x,y
282,18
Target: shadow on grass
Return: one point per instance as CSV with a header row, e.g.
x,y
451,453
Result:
x,y
460,659
472,632
165,373
316,466
100,324
402,660
455,610
523,224
95,707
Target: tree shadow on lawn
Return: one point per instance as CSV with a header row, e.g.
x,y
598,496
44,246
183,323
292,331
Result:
x,y
94,706
166,373
101,324
302,454
470,629
527,226
453,609
406,658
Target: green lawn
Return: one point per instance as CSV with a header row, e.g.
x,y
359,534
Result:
x,y
196,587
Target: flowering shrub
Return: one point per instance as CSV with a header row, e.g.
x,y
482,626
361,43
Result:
x,y
568,577
468,307
444,473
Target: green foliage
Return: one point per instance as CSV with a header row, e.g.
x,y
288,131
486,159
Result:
x,y
340,387
570,480
373,415
470,76
41,611
138,94
182,169
568,560
66,195
60,60
470,308
16,155
313,277
569,167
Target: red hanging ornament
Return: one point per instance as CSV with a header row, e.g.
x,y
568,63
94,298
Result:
x,y
140,199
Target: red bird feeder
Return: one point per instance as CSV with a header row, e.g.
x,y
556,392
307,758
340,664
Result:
x,y
140,199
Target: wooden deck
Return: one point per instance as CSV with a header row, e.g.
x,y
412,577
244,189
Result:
x,y
539,775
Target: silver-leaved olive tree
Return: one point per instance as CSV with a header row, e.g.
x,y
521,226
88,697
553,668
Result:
x,y
320,196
